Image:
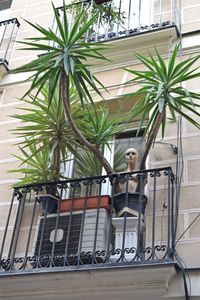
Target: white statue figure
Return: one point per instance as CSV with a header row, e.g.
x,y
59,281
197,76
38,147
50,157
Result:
x,y
132,162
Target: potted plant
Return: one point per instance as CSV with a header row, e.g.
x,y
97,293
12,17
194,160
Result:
x,y
86,165
161,95
46,142
108,15
66,63
44,129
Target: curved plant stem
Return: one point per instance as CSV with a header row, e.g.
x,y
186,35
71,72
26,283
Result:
x,y
151,138
78,134
57,159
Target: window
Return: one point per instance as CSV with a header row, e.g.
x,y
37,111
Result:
x,y
5,4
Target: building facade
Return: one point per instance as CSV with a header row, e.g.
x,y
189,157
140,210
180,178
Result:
x,y
158,24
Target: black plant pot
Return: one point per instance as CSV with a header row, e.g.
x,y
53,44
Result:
x,y
136,204
48,204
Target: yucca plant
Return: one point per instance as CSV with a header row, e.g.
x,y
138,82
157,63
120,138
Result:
x,y
45,127
63,65
86,164
37,166
162,90
44,130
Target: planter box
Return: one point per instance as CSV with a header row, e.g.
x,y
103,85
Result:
x,y
134,207
82,203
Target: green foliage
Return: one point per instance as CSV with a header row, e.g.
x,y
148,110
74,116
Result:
x,y
42,125
63,51
45,130
108,14
87,165
36,166
98,126
162,89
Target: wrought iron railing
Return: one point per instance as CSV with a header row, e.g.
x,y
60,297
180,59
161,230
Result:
x,y
8,33
121,18
107,224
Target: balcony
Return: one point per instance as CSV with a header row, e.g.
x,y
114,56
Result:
x,y
129,25
8,34
89,225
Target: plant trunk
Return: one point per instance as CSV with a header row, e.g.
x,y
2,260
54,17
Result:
x,y
57,159
78,134
151,138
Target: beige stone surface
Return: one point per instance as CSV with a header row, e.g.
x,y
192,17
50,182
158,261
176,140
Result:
x,y
166,6
112,77
6,150
194,230
160,203
18,4
191,146
191,13
191,128
162,151
5,130
35,9
23,242
12,93
189,253
28,214
193,170
23,35
193,26
192,84
7,241
161,228
4,215
45,19
4,167
15,63
190,197
6,193
7,112
189,2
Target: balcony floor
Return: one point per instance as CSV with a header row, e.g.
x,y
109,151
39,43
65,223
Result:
x,y
144,281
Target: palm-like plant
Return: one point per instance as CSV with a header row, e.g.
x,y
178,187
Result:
x,y
86,164
161,90
44,130
36,166
63,65
46,127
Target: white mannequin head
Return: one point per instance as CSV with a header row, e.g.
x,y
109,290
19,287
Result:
x,y
132,159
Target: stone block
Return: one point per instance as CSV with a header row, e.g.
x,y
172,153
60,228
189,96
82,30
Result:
x,y
6,193
15,92
191,128
5,167
191,146
189,253
193,170
7,148
162,151
191,13
4,215
193,26
112,77
189,197
161,228
195,227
